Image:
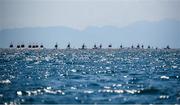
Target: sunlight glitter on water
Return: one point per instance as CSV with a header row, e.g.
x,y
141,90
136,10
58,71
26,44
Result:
x,y
89,76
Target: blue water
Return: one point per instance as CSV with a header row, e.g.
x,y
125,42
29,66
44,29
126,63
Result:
x,y
90,76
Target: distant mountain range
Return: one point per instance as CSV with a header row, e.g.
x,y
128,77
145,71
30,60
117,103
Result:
x,y
157,34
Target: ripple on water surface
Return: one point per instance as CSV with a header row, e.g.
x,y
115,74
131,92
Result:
x,y
89,76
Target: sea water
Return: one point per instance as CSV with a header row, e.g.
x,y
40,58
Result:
x,y
111,76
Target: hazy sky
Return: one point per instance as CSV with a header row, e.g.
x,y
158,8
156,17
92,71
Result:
x,y
80,14
151,22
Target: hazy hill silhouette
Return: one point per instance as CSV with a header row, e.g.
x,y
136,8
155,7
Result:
x,y
154,33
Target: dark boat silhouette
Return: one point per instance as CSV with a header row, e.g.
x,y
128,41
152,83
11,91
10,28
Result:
x,y
34,46
167,47
142,46
29,46
18,46
69,46
11,45
110,45
41,46
56,46
121,46
100,46
132,46
83,46
138,46
22,46
95,47
37,46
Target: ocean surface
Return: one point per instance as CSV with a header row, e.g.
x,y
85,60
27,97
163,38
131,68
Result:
x,y
110,76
